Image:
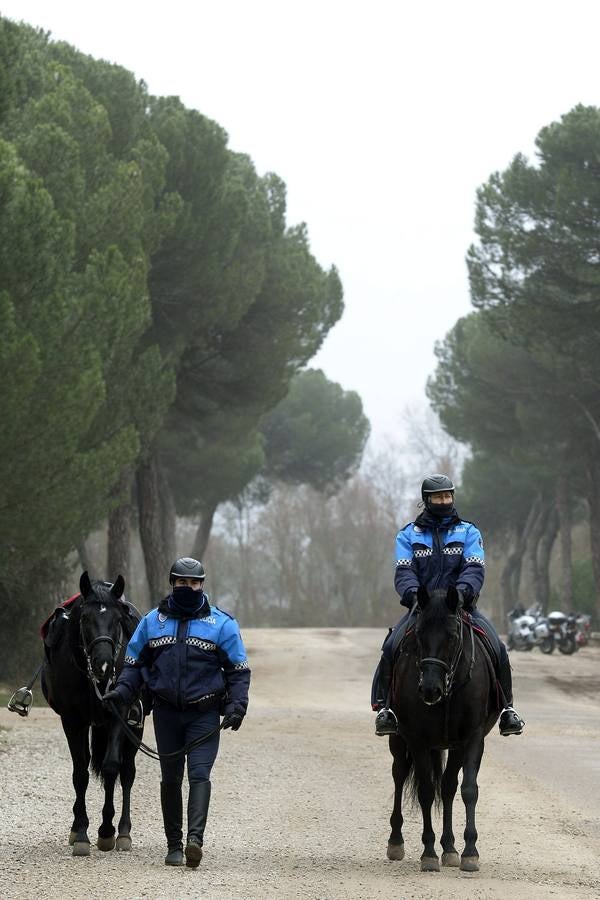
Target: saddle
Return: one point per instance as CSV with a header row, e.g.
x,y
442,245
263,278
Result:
x,y
48,632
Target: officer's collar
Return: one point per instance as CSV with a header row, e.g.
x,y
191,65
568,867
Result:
x,y
427,520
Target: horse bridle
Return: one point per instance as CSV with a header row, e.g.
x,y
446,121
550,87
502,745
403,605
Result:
x,y
116,647
449,668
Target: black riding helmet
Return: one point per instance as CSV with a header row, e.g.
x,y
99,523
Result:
x,y
434,483
186,567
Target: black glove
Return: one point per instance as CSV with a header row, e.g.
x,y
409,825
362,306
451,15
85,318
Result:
x,y
232,720
410,598
468,597
116,697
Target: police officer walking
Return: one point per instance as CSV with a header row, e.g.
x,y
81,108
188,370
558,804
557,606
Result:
x,y
191,657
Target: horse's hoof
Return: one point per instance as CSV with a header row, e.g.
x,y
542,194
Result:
x,y
72,838
469,864
81,848
106,843
430,864
395,851
123,842
451,859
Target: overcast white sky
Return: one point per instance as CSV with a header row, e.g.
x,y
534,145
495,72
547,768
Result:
x,y
382,118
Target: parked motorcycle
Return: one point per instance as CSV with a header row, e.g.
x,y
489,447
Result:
x,y
564,629
529,629
584,629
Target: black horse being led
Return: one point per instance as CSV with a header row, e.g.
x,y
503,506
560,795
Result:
x,y
78,668
444,695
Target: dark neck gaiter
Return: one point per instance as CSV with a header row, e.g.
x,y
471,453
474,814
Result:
x,y
446,517
186,601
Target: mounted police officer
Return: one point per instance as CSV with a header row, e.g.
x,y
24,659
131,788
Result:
x,y
191,657
437,550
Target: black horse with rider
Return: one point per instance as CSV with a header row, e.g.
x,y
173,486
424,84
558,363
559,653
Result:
x,y
437,551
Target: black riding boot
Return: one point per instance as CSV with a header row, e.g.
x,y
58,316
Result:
x,y
510,721
385,721
172,810
198,802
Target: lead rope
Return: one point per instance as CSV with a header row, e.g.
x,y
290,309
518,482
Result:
x,y
150,751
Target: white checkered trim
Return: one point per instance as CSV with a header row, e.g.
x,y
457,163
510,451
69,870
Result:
x,y
421,553
242,665
452,551
475,559
404,562
161,641
130,661
198,642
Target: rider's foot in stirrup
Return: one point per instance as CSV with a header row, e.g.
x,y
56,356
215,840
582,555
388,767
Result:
x,y
510,721
386,722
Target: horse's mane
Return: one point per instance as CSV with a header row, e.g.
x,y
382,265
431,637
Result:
x,y
436,610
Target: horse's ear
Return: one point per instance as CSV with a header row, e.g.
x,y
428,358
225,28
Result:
x,y
118,587
85,585
454,599
422,597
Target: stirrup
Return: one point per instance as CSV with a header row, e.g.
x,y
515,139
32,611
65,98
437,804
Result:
x,y
135,714
21,701
386,727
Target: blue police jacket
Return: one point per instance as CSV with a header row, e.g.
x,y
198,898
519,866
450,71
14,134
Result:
x,y
437,554
188,661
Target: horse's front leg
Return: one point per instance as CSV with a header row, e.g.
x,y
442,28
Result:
x,y
450,856
109,769
127,775
400,769
426,793
470,791
78,741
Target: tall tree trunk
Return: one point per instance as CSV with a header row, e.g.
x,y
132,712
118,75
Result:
x,y
534,528
84,559
157,554
168,518
119,523
203,531
593,469
563,505
544,553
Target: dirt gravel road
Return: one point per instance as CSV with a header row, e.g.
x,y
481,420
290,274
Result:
x,y
303,793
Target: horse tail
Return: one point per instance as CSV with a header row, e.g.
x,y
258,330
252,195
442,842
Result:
x,y
99,745
432,764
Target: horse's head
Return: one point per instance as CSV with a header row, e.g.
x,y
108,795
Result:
x,y
438,632
100,624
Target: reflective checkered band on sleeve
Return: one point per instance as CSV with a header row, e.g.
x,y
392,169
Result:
x,y
161,641
242,665
130,661
198,642
403,562
474,559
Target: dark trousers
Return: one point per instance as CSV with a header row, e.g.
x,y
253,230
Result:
x,y
175,728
